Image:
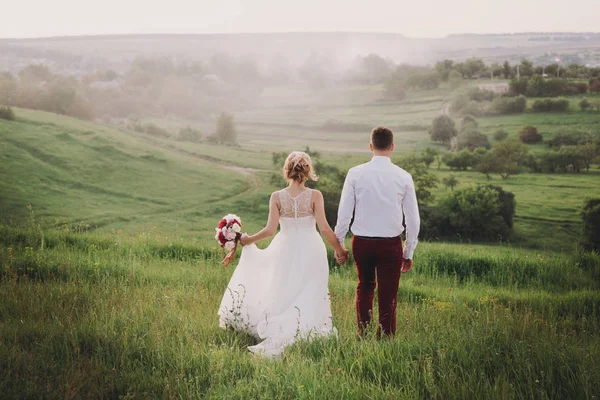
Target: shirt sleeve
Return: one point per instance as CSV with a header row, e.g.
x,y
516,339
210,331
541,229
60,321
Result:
x,y
411,218
345,209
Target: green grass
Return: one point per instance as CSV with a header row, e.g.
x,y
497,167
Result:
x,y
110,316
548,205
110,284
99,177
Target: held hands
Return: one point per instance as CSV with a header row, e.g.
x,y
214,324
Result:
x,y
406,265
341,256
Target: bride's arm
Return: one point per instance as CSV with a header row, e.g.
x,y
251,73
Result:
x,y
271,228
324,228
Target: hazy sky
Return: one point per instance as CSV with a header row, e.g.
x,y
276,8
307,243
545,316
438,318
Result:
x,y
416,18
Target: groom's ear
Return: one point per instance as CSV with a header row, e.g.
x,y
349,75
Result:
x,y
371,146
392,147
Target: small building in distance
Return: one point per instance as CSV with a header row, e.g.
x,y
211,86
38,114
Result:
x,y
500,87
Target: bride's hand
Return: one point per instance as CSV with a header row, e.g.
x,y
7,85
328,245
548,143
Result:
x,y
244,239
341,256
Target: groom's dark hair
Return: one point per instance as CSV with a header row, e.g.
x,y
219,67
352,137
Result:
x,y
382,138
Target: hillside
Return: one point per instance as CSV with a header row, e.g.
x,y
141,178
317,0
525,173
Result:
x,y
97,177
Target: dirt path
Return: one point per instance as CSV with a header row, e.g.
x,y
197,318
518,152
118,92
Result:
x,y
255,182
445,110
214,160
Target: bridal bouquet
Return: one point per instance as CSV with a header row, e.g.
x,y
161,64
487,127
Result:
x,y
228,235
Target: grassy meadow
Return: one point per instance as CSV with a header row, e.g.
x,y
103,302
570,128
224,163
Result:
x,y
108,316
110,282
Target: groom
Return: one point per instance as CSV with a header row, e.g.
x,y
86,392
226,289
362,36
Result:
x,y
377,195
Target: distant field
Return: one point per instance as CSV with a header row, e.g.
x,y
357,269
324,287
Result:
x,y
547,123
117,179
292,118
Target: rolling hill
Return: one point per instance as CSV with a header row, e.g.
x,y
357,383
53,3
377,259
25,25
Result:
x,y
98,177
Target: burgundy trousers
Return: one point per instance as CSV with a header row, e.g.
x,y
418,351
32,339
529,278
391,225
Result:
x,y
378,262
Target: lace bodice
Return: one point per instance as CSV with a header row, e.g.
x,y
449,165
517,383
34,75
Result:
x,y
295,207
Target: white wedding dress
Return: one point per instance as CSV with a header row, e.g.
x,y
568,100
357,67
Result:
x,y
280,294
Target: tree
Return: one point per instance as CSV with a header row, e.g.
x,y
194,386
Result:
x,y
444,68
443,129
488,165
496,70
226,132
155,130
7,113
506,70
508,105
423,80
482,95
584,104
35,73
374,68
570,138
500,135
473,67
518,86
468,122
505,159
455,79
526,68
471,138
189,134
8,88
591,224
589,153
535,86
428,155
481,212
461,160
575,158
529,134
450,182
511,151
550,105
394,88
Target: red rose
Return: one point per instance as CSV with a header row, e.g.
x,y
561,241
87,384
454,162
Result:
x,y
222,223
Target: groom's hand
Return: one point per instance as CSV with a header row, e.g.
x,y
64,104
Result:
x,y
341,258
406,265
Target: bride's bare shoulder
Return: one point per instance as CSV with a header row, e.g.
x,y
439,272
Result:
x,y
317,195
275,195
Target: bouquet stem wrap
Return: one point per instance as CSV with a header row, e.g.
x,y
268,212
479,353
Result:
x,y
230,256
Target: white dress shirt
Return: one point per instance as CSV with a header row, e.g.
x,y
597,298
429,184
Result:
x,y
377,193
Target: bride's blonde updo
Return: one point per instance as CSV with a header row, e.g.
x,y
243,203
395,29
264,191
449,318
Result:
x,y
298,167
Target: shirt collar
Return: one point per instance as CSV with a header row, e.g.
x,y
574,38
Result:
x,y
381,159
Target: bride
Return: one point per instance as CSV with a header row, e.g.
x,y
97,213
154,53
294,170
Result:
x,y
280,294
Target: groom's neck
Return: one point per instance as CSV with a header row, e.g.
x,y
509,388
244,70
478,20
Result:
x,y
382,153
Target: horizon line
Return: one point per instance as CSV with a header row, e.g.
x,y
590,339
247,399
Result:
x,y
155,34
